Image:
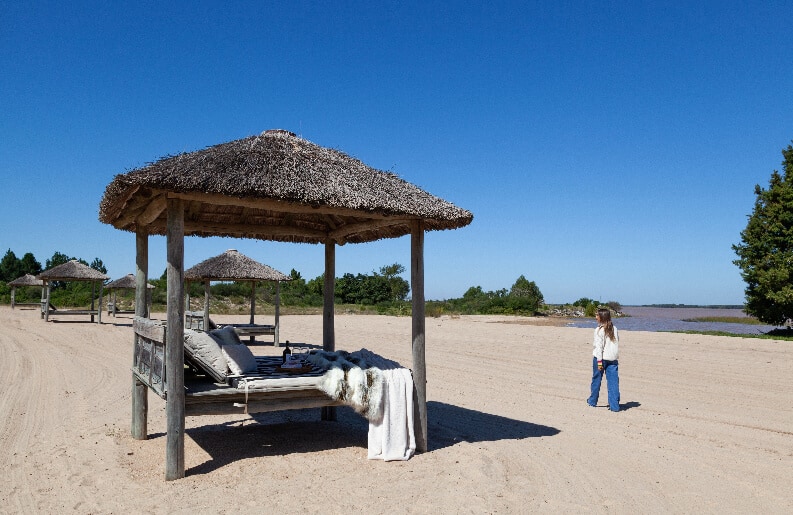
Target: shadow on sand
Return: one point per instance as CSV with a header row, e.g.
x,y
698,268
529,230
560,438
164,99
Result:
x,y
302,431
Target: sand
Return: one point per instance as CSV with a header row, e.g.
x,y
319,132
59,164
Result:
x,y
706,427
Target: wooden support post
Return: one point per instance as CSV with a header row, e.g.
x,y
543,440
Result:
x,y
206,305
47,305
419,323
174,345
101,291
328,328
93,301
253,307
276,333
13,291
140,392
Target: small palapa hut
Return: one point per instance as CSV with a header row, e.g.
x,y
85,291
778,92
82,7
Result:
x,y
235,266
125,283
273,186
72,270
26,280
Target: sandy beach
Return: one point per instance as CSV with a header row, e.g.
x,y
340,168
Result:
x,y
706,426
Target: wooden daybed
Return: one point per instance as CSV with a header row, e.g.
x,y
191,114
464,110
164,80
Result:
x,y
207,392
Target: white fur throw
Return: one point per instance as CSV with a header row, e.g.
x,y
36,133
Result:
x,y
351,380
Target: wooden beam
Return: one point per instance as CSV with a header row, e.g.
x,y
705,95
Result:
x,y
137,205
155,208
140,393
243,230
419,332
174,346
274,205
328,328
344,231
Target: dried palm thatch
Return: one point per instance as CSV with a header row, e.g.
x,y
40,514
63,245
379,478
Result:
x,y
26,280
275,186
125,283
233,266
72,271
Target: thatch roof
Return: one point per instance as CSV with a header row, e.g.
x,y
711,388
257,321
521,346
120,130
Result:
x,y
233,266
275,186
26,280
72,271
126,283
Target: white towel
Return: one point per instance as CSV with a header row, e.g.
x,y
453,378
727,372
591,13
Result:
x,y
392,438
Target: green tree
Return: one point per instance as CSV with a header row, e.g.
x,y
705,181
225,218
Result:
x,y
525,296
10,267
29,264
765,254
399,287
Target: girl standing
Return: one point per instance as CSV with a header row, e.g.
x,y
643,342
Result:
x,y
605,354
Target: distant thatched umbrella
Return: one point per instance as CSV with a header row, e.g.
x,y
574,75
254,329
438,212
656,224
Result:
x,y
274,186
125,283
25,280
235,266
73,271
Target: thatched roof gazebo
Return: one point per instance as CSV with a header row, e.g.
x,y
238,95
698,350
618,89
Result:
x,y
273,186
72,270
125,283
235,266
26,280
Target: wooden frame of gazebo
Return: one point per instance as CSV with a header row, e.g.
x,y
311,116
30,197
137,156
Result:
x,y
72,270
235,266
124,283
26,280
273,186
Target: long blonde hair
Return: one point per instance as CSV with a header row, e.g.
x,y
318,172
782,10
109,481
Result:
x,y
604,319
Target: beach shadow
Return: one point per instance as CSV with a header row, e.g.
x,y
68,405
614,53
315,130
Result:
x,y
277,434
448,425
629,405
301,431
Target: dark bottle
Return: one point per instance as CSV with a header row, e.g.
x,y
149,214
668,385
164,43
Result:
x,y
287,350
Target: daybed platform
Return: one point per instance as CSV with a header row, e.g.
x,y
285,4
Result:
x,y
47,310
209,389
269,389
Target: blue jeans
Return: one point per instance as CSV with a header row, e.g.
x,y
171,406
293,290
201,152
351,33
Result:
x,y
611,369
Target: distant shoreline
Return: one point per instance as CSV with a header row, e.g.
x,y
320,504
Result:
x,y
701,306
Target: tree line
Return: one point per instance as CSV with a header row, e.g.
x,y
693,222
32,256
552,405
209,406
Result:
x,y
384,290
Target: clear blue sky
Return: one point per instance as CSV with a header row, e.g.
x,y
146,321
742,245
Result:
x,y
607,149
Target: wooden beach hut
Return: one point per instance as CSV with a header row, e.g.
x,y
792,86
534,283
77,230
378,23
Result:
x,y
26,280
124,283
273,186
235,266
73,271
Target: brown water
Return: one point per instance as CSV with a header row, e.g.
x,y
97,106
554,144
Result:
x,y
673,319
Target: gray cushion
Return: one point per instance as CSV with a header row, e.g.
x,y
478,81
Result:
x,y
206,351
227,335
239,358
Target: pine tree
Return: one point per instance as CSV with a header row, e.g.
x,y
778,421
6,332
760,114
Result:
x,y
765,254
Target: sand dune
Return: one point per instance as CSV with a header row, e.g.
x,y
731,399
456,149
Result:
x,y
707,426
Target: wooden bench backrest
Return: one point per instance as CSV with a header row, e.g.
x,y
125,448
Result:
x,y
149,361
